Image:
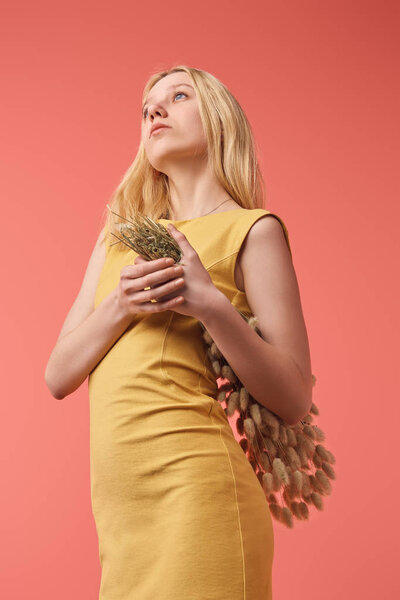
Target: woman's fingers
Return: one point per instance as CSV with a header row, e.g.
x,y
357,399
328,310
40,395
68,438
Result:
x,y
160,306
159,291
148,274
151,285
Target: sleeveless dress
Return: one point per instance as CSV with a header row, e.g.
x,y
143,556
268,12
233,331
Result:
x,y
178,509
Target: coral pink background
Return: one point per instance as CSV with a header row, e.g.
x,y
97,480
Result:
x,y
319,83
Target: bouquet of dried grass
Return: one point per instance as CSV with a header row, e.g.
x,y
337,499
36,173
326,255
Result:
x,y
290,461
146,237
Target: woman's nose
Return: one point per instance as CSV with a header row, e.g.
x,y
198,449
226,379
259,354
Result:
x,y
155,109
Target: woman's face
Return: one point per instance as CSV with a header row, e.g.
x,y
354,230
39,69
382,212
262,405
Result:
x,y
172,101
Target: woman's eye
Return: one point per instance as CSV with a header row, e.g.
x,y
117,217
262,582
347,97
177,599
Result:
x,y
176,94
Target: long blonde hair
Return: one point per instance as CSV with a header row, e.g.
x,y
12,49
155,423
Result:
x,y
231,152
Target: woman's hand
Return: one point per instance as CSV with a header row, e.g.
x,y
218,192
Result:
x,y
198,290
160,275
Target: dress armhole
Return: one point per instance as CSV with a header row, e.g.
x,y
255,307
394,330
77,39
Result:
x,y
242,234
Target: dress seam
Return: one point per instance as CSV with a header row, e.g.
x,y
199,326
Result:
x,y
236,501
165,374
222,259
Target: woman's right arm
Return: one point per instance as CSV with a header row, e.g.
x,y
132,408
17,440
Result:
x,y
87,333
77,353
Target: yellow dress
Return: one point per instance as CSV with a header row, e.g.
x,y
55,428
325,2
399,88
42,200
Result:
x,y
179,511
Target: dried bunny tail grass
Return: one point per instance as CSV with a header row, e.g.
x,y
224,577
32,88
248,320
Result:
x,y
264,430
239,425
215,353
270,447
216,368
323,481
309,431
331,458
223,390
277,452
221,396
293,458
276,481
305,442
303,510
306,488
256,414
292,489
279,470
244,444
267,461
211,357
227,373
287,517
315,484
276,510
304,459
273,433
297,480
319,434
283,434
267,482
291,437
288,471
328,470
249,428
287,497
244,399
317,460
269,418
324,454
300,510
258,450
232,403
207,337
228,386
295,508
317,500
307,497
307,419
282,514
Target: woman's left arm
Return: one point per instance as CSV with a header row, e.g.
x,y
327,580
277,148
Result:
x,y
275,369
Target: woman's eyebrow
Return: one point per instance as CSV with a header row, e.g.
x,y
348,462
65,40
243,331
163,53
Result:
x,y
169,88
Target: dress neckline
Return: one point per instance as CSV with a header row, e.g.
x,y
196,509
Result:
x,y
202,216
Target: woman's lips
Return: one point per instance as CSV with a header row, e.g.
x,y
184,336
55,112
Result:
x,y
161,128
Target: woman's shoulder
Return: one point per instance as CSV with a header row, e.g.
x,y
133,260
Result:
x,y
251,221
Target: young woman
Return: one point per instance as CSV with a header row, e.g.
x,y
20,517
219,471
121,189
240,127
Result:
x,y
179,510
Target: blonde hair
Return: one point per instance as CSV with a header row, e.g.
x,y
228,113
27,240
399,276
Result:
x,y
231,152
